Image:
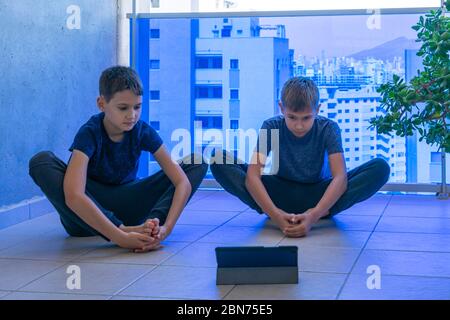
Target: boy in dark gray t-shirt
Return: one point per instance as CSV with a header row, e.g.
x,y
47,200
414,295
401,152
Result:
x,y
308,179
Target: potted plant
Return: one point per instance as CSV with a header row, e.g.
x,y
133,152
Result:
x,y
423,104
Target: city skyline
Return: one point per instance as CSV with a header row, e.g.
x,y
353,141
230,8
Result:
x,y
342,35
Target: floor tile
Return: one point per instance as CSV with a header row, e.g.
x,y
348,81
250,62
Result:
x,y
202,194
205,218
100,279
416,199
114,254
326,259
179,282
352,222
317,286
415,225
330,237
409,242
210,203
55,246
435,210
4,293
244,236
195,255
365,210
432,264
250,218
52,296
17,273
34,227
396,288
188,233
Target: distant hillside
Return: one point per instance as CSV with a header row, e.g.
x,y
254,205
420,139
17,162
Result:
x,y
388,50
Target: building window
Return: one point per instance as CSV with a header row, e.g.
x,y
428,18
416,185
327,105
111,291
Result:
x,y
234,64
208,62
357,159
226,32
208,92
234,124
155,125
154,64
356,149
436,157
347,130
357,130
347,140
347,149
217,92
154,95
356,139
347,120
239,32
210,122
234,94
154,34
339,120
347,111
356,120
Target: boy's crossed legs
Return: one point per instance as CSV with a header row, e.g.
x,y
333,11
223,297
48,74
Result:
x,y
139,206
295,197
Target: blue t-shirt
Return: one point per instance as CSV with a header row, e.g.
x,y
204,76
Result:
x,y
303,159
114,162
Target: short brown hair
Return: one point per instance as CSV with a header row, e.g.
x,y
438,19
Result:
x,y
119,78
300,93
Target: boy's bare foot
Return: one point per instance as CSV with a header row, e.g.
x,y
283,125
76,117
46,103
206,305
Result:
x,y
145,228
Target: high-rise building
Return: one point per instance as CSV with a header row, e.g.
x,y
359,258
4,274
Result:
x,y
221,72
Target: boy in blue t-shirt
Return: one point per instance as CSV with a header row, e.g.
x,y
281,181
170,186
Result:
x,y
310,180
97,193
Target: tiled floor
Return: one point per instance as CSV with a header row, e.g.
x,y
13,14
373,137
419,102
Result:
x,y
407,237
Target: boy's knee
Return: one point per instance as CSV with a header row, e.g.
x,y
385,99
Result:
x,y
217,157
382,168
197,161
39,159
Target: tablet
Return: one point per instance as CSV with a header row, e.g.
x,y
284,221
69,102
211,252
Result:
x,y
257,265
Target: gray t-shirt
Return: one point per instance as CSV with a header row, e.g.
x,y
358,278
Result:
x,y
302,159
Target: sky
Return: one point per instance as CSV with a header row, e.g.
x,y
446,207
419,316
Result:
x,y
342,35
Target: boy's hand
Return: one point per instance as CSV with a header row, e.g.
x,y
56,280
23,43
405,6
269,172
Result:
x,y
163,233
302,224
283,220
135,240
154,246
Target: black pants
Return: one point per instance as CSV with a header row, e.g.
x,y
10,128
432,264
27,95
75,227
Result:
x,y
295,197
129,204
